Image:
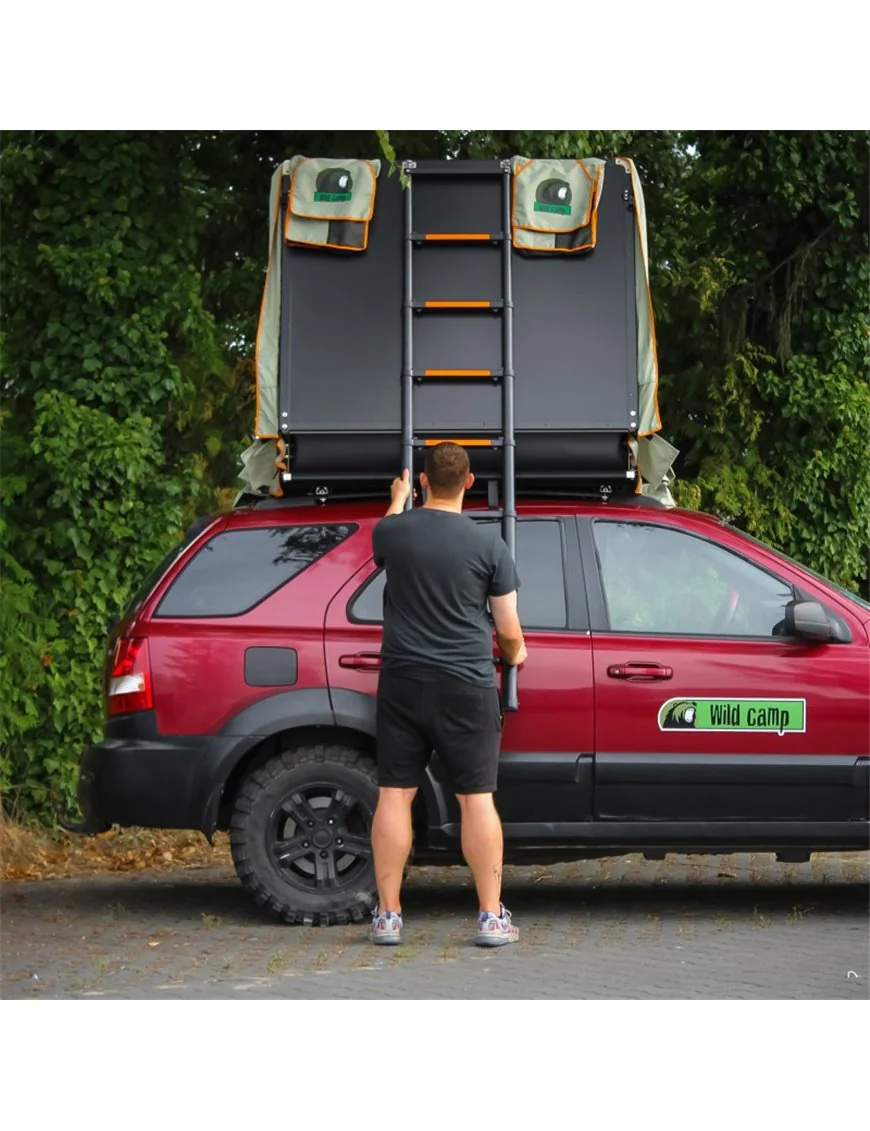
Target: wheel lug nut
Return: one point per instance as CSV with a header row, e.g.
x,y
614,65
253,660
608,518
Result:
x,y
323,855
331,822
339,842
305,844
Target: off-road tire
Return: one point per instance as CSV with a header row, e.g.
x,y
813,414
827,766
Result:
x,y
261,796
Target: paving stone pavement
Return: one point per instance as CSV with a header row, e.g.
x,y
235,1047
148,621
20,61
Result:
x,y
688,927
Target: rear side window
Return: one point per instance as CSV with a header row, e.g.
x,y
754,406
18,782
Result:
x,y
154,575
541,597
238,569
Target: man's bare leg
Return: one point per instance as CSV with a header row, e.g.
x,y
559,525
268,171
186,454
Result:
x,y
391,844
483,847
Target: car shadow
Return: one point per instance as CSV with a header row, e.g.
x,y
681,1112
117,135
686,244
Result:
x,y
212,896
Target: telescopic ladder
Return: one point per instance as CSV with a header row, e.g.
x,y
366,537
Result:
x,y
416,243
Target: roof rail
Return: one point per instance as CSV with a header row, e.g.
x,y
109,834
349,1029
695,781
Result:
x,y
271,502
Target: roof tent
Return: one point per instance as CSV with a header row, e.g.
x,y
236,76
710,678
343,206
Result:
x,y
502,304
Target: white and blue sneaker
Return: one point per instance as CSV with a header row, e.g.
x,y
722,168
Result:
x,y
496,930
386,928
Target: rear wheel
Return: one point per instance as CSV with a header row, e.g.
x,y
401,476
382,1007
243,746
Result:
x,y
301,835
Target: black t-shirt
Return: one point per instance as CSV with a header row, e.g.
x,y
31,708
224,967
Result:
x,y
441,569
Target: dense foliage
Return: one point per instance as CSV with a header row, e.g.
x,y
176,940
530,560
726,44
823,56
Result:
x,y
132,266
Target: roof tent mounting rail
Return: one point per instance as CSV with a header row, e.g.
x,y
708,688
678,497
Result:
x,y
273,502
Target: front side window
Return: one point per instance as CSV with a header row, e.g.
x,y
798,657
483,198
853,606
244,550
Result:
x,y
666,582
541,598
238,569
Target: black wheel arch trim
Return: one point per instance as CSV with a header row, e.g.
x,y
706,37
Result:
x,y
338,709
309,706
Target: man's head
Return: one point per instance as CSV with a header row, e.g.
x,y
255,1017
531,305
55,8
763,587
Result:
x,y
447,472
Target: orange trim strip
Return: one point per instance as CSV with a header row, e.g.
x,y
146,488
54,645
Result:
x,y
446,304
454,236
457,372
454,440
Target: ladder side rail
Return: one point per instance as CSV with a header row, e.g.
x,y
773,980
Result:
x,y
510,698
408,338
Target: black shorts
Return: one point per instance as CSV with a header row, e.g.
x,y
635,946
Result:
x,y
460,721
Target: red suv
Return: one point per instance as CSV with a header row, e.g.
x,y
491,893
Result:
x,y
687,689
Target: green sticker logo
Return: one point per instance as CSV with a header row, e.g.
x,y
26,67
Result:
x,y
333,185
776,716
564,209
553,195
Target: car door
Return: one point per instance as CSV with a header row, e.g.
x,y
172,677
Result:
x,y
705,709
545,774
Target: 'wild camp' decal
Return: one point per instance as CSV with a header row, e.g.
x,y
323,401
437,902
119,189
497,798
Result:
x,y
779,716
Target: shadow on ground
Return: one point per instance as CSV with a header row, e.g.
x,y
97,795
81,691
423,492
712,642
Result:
x,y
703,888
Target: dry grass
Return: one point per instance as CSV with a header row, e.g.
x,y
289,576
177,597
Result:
x,y
32,854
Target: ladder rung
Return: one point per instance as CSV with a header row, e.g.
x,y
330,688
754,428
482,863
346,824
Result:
x,y
492,374
463,441
457,304
456,237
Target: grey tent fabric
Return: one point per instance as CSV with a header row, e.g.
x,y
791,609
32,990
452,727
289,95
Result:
x,y
649,420
654,458
261,461
268,331
555,203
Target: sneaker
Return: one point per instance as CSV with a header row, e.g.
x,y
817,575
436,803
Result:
x,y
496,930
386,928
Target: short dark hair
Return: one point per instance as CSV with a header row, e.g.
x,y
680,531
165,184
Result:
x,y
447,467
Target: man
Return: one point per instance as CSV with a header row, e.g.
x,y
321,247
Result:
x,y
437,685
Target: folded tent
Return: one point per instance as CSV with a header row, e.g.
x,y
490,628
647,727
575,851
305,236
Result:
x,y
329,372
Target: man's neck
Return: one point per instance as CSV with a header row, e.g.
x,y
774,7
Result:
x,y
434,504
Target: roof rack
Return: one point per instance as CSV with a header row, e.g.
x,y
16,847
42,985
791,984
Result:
x,y
270,502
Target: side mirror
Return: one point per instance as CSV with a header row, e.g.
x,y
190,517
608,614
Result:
x,y
809,620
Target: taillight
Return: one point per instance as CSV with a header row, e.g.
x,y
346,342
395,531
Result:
x,y
130,679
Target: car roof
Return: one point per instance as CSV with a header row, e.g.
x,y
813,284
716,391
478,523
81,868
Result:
x,y
280,512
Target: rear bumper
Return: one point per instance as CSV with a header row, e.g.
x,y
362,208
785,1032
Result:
x,y
161,782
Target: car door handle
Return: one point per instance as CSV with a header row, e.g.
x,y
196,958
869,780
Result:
x,y
361,661
640,671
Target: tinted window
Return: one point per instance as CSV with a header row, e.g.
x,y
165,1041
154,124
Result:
x,y
190,535
236,570
661,580
542,580
849,594
542,575
368,604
